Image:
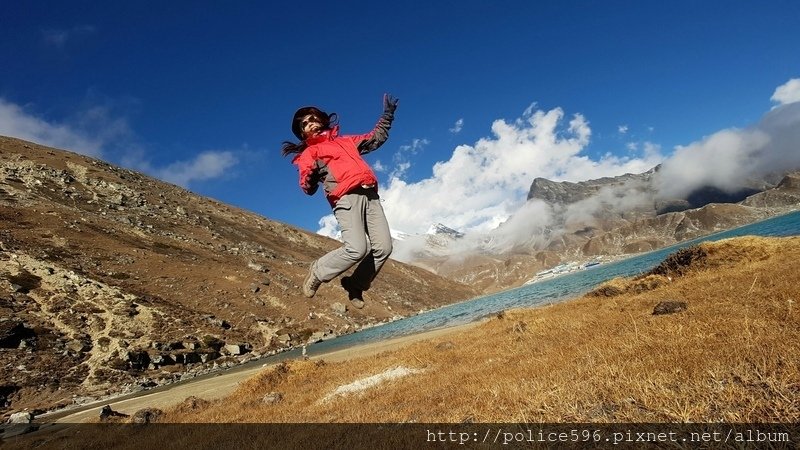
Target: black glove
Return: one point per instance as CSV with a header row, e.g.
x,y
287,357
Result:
x,y
389,103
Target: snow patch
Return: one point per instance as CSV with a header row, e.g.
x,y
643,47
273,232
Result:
x,y
372,381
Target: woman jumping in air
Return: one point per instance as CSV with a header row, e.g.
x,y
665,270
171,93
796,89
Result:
x,y
351,187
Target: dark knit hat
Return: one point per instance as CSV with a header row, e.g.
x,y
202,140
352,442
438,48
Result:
x,y
297,126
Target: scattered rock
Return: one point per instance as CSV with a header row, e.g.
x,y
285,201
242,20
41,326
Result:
x,y
447,345
316,337
273,398
107,412
19,423
236,349
222,323
192,403
147,415
257,267
338,308
21,417
669,307
78,346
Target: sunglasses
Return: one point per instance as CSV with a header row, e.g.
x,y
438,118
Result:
x,y
309,119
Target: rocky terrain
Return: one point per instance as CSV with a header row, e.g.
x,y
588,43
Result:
x,y
111,281
598,218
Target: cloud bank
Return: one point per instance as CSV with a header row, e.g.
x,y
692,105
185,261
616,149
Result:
x,y
729,158
96,132
16,122
484,184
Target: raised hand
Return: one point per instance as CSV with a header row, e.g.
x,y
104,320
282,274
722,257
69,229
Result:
x,y
389,103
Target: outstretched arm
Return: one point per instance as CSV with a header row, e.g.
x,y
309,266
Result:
x,y
309,173
380,133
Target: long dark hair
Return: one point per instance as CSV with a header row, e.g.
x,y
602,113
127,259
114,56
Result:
x,y
327,121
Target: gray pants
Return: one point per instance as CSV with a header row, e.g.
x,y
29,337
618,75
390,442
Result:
x,y
366,237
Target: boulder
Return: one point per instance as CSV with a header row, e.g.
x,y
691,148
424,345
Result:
x,y
21,417
669,307
18,423
272,398
147,415
316,337
234,349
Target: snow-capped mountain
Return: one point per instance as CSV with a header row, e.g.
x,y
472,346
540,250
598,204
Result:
x,y
439,229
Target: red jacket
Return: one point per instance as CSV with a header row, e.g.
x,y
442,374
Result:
x,y
336,162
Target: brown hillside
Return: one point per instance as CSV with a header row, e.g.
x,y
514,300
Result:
x,y
113,281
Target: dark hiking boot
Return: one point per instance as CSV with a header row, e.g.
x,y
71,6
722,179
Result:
x,y
355,294
311,283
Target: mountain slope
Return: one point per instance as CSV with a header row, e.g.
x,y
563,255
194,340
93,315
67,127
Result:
x,y
610,217
111,280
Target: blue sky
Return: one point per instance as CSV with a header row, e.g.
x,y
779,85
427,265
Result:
x,y
492,93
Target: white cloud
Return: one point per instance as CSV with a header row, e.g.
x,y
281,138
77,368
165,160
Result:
x,y
205,166
16,122
787,93
95,131
459,125
483,184
729,158
622,129
415,147
402,158
329,227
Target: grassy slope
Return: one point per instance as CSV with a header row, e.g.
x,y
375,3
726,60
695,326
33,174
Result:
x,y
731,356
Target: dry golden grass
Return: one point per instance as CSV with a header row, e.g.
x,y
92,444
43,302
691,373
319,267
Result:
x,y
732,356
